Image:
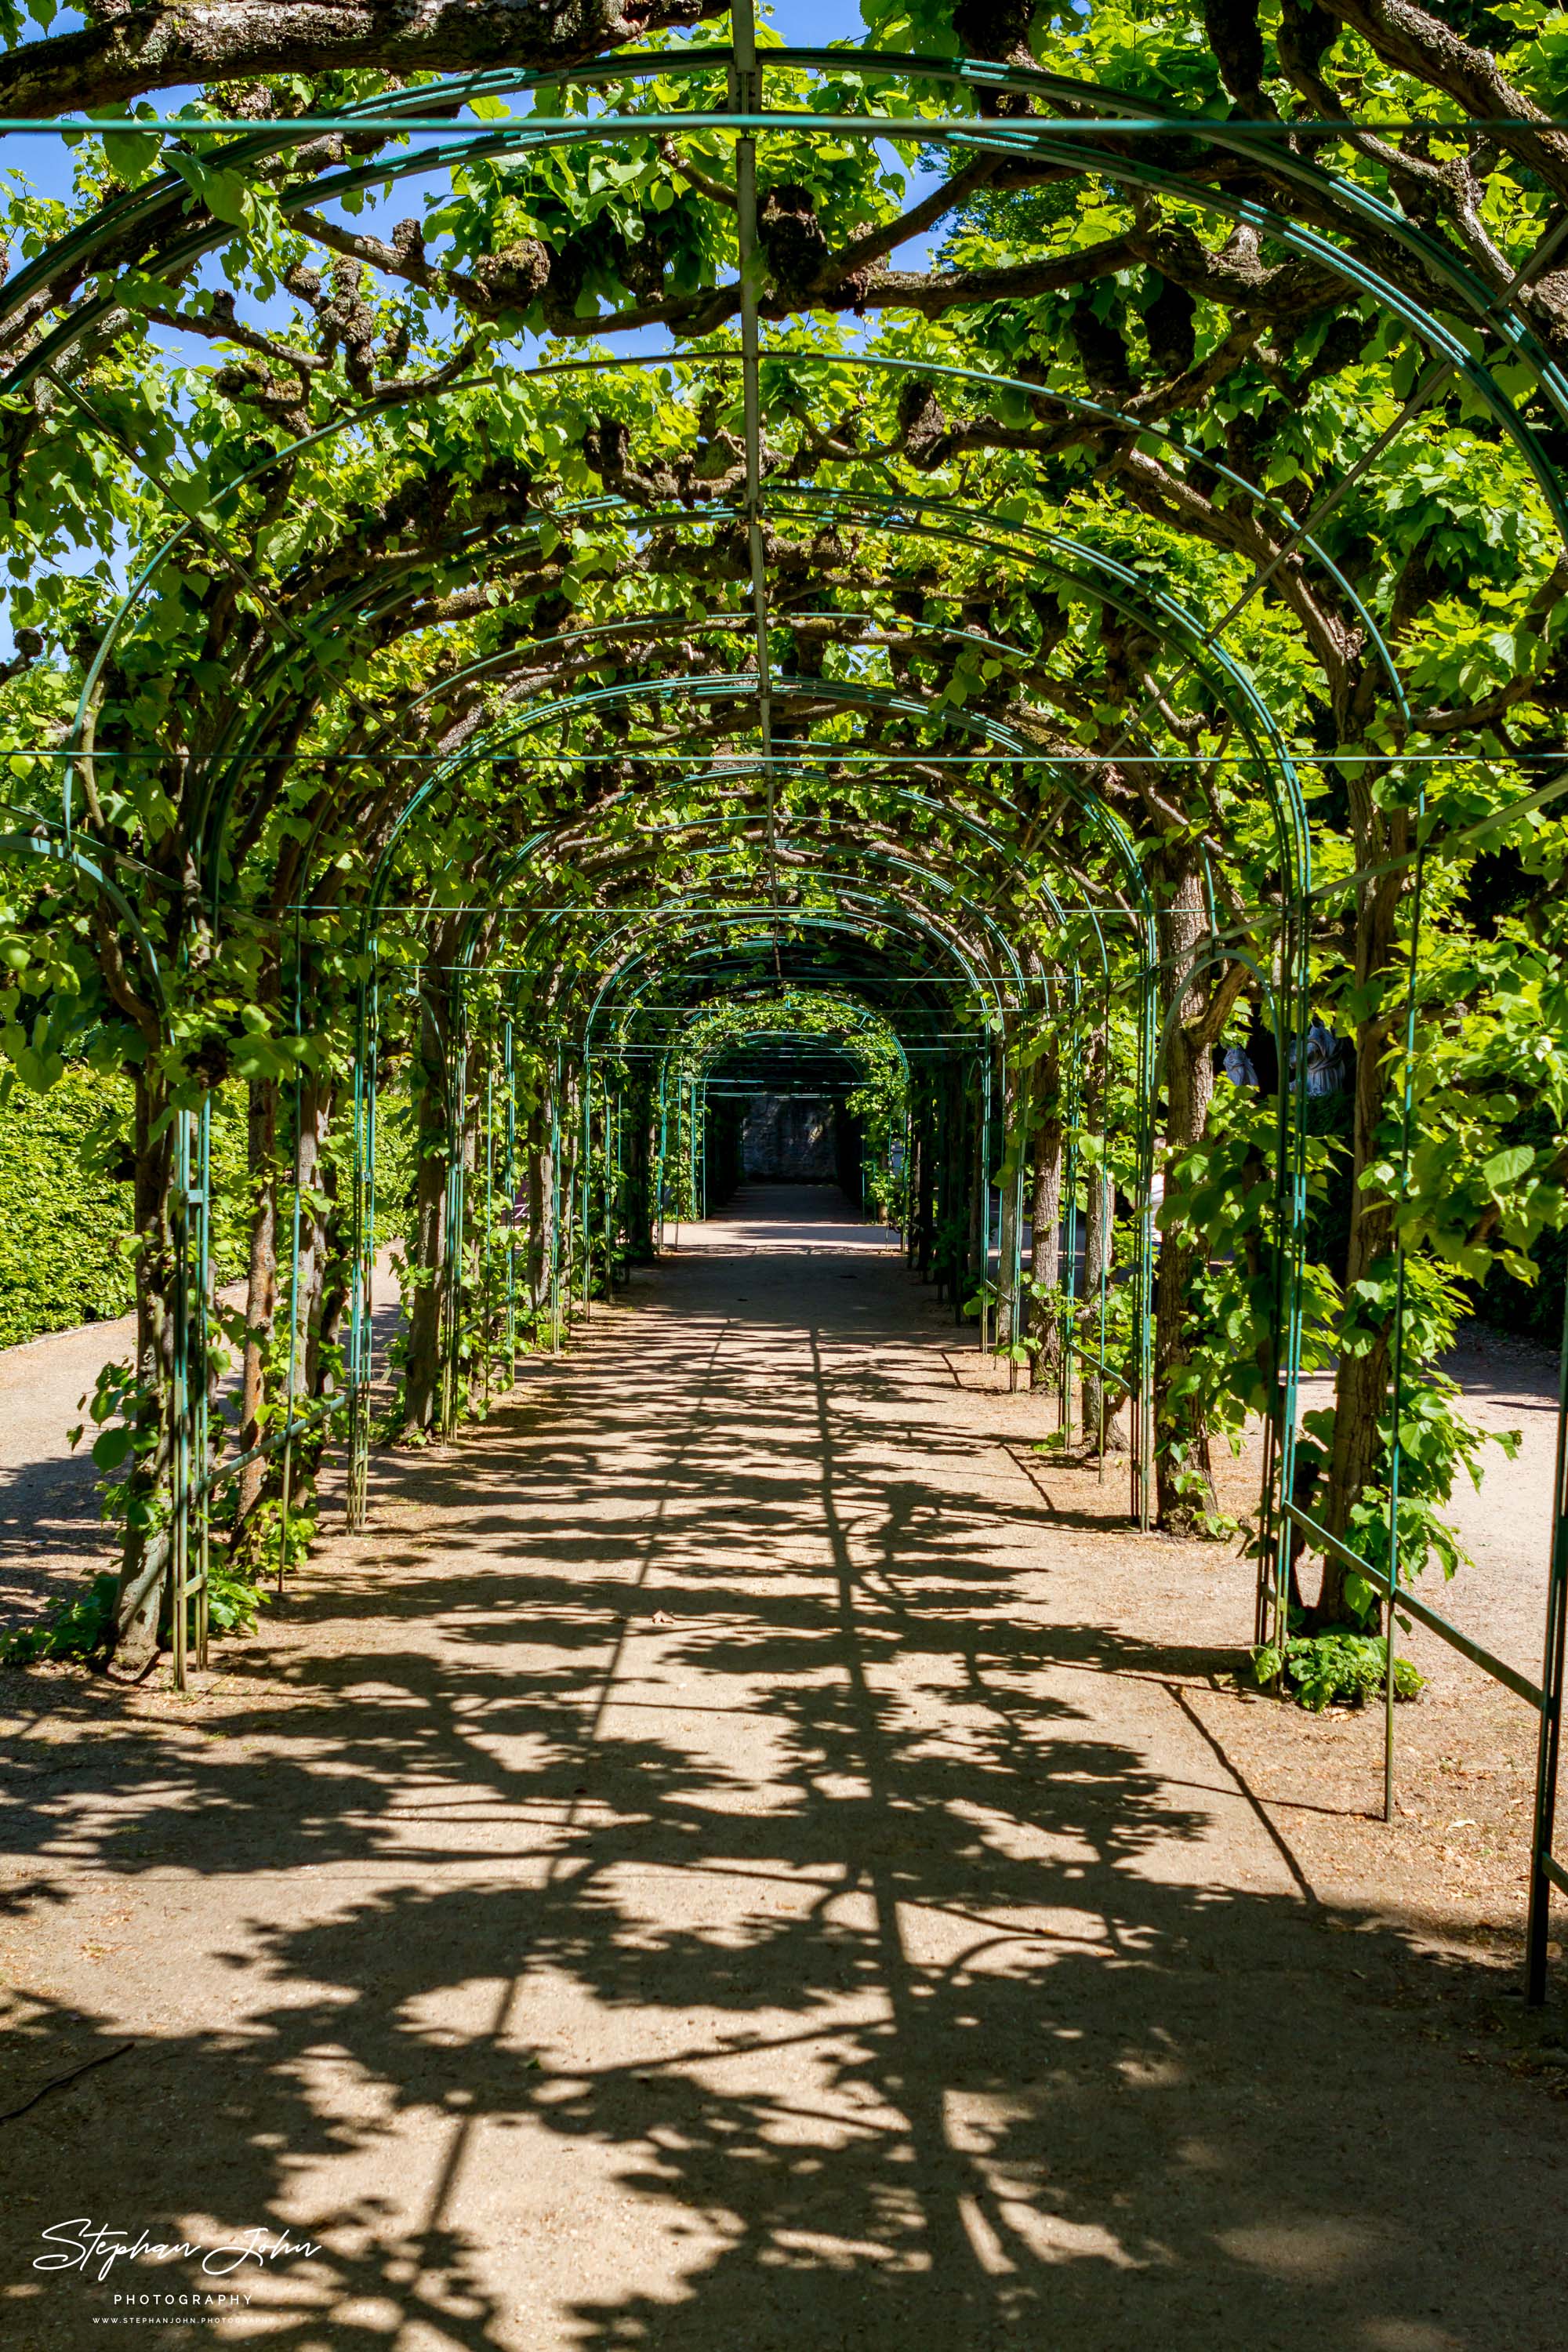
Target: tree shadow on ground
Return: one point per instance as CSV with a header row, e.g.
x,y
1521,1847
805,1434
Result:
x,y
831,1965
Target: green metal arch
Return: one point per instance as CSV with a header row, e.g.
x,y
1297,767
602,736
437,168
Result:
x,y
959,818
1124,594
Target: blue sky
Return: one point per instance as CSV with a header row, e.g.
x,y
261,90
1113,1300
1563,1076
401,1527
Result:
x,y
46,165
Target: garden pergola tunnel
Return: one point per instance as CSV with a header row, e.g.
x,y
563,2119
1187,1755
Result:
x,y
527,729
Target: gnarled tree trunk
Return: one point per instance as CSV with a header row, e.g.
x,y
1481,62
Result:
x,y
1195,1010
1361,1378
139,1613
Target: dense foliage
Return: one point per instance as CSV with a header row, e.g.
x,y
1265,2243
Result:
x,y
1135,587
65,1219
66,1210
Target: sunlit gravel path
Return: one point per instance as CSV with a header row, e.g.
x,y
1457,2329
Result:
x,y
705,1870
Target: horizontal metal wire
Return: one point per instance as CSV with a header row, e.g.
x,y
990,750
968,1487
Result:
x,y
741,764
926,128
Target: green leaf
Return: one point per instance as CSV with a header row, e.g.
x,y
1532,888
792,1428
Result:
x,y
225,193
132,156
1505,1168
111,1447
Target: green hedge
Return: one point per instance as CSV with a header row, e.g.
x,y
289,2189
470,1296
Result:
x,y
65,1222
395,1139
62,1230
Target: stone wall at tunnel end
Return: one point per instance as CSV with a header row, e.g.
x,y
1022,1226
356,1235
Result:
x,y
789,1139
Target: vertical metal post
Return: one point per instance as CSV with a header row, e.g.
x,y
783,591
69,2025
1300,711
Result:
x,y
587,1184
179,1402
366,1364
1548,1751
692,1145
702,1154
985,1173
201,1382
287,1485
949,1203
916,1156
556,1204
612,1181
579,1178
1106,1213
509,1073
1070,1196
358,1401
488,1291
456,1211
1395,1450
1142,1449
1291,1026
1020,1107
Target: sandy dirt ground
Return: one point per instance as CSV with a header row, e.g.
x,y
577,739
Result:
x,y
51,1534
747,1853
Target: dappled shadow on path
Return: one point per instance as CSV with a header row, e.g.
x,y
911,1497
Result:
x,y
731,1898
52,1527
